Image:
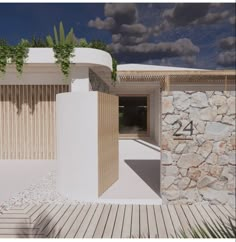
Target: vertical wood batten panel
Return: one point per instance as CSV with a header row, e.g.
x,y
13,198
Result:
x,y
107,140
27,121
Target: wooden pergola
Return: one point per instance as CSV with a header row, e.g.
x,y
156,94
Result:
x,y
223,78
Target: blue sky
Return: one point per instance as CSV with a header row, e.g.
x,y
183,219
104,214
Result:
x,y
178,34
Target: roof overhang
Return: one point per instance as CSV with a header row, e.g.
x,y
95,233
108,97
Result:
x,y
172,78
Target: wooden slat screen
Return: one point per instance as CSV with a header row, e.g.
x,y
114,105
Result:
x,y
27,121
108,135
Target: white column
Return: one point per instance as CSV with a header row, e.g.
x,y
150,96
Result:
x,y
80,79
77,145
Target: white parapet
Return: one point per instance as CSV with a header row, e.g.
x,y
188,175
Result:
x,y
77,145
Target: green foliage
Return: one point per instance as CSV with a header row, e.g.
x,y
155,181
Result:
x,y
21,53
62,54
83,43
214,230
37,42
63,47
13,54
4,53
98,44
68,39
114,69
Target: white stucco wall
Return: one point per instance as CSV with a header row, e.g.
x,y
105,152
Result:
x,y
77,145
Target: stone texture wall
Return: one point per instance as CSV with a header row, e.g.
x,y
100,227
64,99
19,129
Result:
x,y
201,169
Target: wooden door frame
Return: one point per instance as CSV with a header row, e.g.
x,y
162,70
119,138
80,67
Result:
x,y
138,135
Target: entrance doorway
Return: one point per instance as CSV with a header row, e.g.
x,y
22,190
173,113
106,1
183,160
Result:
x,y
134,116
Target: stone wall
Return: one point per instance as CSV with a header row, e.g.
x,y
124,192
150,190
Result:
x,y
202,168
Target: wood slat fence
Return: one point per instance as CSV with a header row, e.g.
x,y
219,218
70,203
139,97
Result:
x,y
27,121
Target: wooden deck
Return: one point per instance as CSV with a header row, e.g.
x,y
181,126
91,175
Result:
x,y
106,221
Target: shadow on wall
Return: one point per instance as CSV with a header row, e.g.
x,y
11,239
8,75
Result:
x,y
149,171
30,95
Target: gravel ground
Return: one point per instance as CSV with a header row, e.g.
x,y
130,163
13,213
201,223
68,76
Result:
x,y
43,191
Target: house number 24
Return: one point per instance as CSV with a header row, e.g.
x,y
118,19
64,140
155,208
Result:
x,y
188,127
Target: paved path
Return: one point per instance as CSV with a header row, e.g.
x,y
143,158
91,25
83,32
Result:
x,y
106,221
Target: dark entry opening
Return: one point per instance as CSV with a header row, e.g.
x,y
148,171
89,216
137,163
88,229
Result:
x,y
133,115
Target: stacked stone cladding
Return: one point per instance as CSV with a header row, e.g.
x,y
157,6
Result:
x,y
202,168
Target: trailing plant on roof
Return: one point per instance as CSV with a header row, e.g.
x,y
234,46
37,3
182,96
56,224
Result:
x,y
20,54
13,54
63,47
4,52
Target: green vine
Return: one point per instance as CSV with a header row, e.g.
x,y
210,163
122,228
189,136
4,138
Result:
x,y
13,54
114,70
63,53
21,53
4,53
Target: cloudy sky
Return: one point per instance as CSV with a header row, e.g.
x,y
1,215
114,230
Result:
x,y
199,35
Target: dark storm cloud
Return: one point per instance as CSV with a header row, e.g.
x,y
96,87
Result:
x,y
144,51
212,18
227,56
122,21
185,13
116,14
107,23
228,43
227,59
232,19
121,13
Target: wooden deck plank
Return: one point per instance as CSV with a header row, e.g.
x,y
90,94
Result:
x,y
17,236
44,214
152,222
119,222
19,210
144,231
110,222
126,231
93,224
230,210
135,228
226,213
14,220
183,220
168,223
203,213
50,226
65,229
17,226
12,216
102,222
210,213
192,221
219,213
174,217
77,223
47,220
160,222
22,231
34,210
22,207
34,216
83,228
61,222
198,217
